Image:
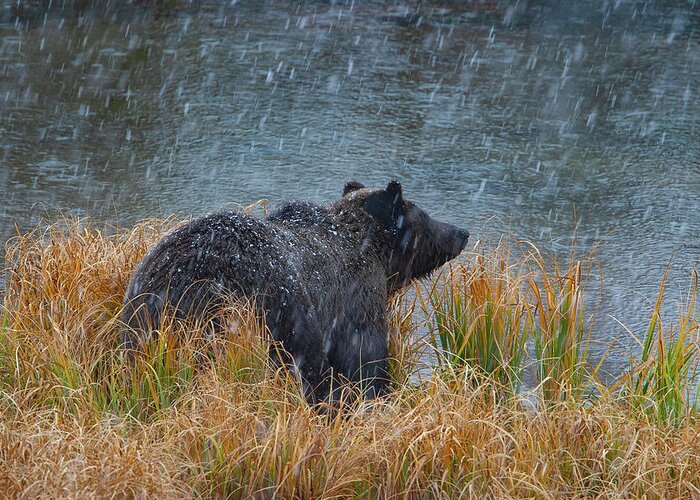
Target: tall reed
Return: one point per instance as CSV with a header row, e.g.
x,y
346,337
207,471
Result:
x,y
478,317
660,382
407,345
559,326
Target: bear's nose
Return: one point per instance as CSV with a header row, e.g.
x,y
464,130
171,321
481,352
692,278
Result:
x,y
462,237
459,239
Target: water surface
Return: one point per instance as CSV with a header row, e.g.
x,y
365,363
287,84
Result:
x,y
547,120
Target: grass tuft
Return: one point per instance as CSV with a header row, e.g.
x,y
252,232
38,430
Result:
x,y
559,327
478,318
660,382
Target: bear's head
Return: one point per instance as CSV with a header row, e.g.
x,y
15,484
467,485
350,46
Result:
x,y
416,243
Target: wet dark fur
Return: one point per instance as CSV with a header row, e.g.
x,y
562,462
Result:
x,y
320,273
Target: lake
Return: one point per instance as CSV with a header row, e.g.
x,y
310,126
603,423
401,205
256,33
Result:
x,y
549,121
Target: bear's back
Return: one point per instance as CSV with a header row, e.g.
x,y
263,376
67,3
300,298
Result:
x,y
300,216
222,254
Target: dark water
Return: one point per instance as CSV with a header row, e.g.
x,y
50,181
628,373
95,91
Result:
x,y
546,119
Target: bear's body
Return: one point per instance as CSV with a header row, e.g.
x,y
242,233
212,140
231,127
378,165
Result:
x,y
320,274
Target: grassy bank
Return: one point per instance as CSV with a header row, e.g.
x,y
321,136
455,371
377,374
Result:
x,y
195,419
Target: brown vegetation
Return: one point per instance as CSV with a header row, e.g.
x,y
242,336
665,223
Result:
x,y
192,420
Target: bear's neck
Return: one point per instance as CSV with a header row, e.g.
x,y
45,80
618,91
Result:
x,y
351,231
362,230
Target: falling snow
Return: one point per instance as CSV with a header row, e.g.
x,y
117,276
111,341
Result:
x,y
549,120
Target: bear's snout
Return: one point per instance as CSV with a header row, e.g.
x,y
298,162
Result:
x,y
460,238
451,239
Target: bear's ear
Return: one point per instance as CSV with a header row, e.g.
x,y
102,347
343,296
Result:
x,y
395,188
352,186
385,206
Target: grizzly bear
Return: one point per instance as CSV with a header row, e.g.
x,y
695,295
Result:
x,y
321,275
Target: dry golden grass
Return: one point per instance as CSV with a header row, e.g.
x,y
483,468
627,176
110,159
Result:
x,y
190,421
